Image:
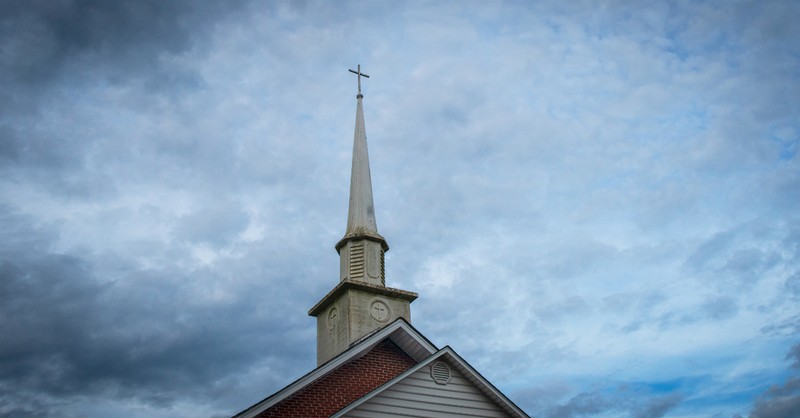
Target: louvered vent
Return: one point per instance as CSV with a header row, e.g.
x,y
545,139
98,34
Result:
x,y
383,269
357,261
440,372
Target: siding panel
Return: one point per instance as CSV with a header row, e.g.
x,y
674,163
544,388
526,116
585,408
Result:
x,y
419,396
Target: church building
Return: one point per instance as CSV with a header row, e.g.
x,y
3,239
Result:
x,y
371,362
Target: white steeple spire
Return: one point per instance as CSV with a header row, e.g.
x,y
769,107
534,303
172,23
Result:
x,y
362,247
361,212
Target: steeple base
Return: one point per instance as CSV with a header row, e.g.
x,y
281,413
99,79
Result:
x,y
353,310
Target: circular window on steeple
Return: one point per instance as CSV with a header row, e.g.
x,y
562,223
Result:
x,y
379,310
440,372
333,318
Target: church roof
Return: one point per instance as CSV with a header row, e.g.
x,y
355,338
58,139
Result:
x,y
351,376
400,333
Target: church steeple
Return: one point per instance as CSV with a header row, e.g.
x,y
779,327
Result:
x,y
361,250
361,302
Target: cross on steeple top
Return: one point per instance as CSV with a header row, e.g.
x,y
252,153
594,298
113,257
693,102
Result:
x,y
360,74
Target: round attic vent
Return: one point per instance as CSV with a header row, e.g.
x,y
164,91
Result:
x,y
440,372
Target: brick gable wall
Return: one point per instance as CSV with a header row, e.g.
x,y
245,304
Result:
x,y
344,385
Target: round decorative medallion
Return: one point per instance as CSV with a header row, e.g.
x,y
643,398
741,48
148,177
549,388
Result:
x,y
333,318
379,310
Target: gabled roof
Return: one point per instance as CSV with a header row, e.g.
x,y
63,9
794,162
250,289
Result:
x,y
453,359
400,332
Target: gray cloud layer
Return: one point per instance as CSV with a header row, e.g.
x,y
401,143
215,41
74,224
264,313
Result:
x,y
577,191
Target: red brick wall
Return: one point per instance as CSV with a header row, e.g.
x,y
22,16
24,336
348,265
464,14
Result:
x,y
344,385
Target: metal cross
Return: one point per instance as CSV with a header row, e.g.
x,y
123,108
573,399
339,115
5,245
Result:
x,y
359,77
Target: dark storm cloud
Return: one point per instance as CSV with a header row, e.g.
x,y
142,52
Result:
x,y
794,355
41,39
658,406
582,404
69,333
623,401
33,150
781,401
52,51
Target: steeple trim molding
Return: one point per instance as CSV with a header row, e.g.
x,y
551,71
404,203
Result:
x,y
352,285
360,233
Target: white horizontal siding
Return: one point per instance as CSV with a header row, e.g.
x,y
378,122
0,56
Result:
x,y
419,396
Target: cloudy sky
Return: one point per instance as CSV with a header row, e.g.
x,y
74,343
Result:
x,y
596,201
